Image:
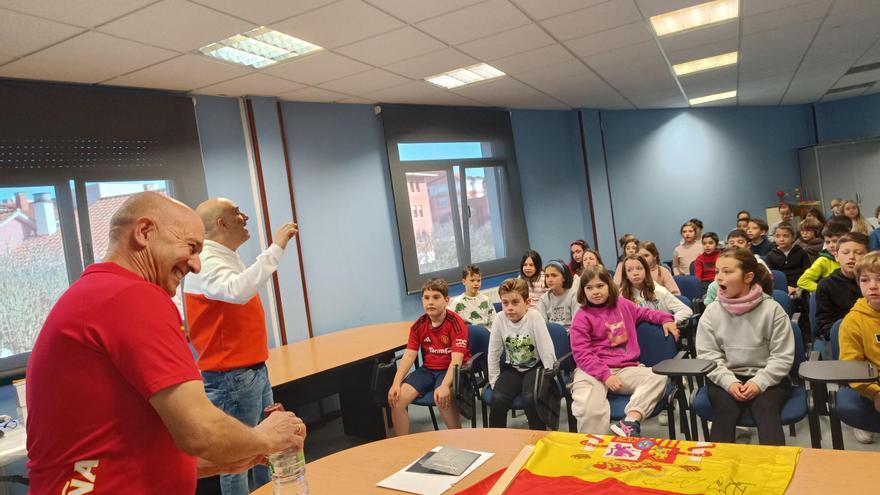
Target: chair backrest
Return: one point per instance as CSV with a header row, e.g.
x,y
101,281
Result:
x,y
835,340
800,352
655,347
814,325
668,264
497,307
779,280
690,286
478,339
691,269
684,300
561,344
784,300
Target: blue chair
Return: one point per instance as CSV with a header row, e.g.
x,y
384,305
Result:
x,y
691,268
690,286
794,410
784,300
559,336
688,333
497,307
847,405
668,264
779,281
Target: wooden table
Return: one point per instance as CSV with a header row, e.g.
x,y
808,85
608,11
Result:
x,y
339,362
357,470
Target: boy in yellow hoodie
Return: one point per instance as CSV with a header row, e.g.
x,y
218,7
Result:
x,y
860,330
826,263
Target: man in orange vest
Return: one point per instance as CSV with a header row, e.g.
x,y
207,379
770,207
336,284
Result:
x,y
227,325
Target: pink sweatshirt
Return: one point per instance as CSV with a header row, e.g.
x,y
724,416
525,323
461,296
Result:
x,y
605,338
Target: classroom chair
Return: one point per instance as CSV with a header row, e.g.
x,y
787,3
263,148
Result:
x,y
655,347
781,296
779,281
497,307
691,269
845,405
560,342
794,410
690,287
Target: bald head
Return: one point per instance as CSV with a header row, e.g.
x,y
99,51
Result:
x,y
151,204
224,222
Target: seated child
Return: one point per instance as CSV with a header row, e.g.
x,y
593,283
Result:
x,y
629,244
559,303
811,239
659,272
577,249
443,339
839,291
639,287
522,333
788,257
530,271
826,263
757,232
473,307
858,332
704,266
742,220
686,253
750,338
736,238
606,351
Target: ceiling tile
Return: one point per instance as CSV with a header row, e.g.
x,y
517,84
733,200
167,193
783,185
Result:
x,y
256,84
853,11
610,39
700,36
858,78
431,64
709,82
392,46
642,53
653,7
474,22
184,73
543,75
93,61
542,9
86,13
319,67
659,100
592,19
521,39
176,25
871,56
313,94
21,34
785,17
4,59
755,7
539,101
640,79
354,100
415,11
263,12
842,44
497,92
526,61
338,24
699,51
799,93
417,92
365,82
841,95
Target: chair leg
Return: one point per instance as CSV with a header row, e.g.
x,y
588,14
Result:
x,y
813,420
836,430
485,415
433,418
792,431
705,429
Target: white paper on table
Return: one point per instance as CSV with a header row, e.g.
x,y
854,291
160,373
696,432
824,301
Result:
x,y
429,483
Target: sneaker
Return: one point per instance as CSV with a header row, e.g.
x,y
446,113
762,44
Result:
x,y
625,428
663,418
862,436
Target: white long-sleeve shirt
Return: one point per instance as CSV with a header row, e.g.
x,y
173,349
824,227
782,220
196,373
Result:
x,y
527,342
224,276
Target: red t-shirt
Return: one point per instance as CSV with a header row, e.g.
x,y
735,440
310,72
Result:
x,y
439,343
110,342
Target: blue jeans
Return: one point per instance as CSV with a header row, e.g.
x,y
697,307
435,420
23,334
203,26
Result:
x,y
242,393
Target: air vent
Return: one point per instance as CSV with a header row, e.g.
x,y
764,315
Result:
x,y
862,68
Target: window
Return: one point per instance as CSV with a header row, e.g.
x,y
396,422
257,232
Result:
x,y
457,200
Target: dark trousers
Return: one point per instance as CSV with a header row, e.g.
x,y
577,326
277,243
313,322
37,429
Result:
x,y
510,384
765,410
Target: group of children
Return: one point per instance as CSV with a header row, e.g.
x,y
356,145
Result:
x,y
747,334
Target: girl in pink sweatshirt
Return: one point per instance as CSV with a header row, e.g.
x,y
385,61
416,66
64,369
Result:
x,y
606,350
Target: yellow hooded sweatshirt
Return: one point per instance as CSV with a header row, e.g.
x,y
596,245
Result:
x,y
860,341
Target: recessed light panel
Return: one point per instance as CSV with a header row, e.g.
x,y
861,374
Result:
x,y
258,48
708,63
466,75
716,97
694,17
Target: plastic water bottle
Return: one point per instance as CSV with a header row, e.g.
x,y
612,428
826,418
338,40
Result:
x,y
288,467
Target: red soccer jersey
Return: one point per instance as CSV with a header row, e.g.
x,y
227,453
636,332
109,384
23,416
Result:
x,y
439,343
110,342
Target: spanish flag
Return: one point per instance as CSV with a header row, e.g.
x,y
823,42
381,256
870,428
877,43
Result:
x,y
573,463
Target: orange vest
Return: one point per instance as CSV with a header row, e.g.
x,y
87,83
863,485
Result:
x,y
227,336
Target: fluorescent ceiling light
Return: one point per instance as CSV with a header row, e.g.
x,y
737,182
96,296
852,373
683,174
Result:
x,y
705,63
696,16
466,75
717,96
258,48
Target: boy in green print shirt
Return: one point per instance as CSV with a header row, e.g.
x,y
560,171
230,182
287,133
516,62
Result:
x,y
473,307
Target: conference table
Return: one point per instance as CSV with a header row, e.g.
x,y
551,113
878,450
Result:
x,y
339,362
357,470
